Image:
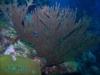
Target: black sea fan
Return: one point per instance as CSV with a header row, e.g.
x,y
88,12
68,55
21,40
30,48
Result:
x,y
55,33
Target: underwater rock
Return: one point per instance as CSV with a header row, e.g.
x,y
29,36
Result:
x,y
71,66
88,64
73,73
22,66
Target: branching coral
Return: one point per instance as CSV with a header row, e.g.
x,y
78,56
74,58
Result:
x,y
56,34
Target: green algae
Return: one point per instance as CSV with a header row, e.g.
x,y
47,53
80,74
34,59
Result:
x,y
22,66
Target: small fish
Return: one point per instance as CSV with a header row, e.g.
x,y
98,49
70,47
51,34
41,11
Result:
x,y
35,34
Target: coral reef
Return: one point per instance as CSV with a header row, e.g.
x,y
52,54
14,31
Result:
x,y
54,32
57,38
